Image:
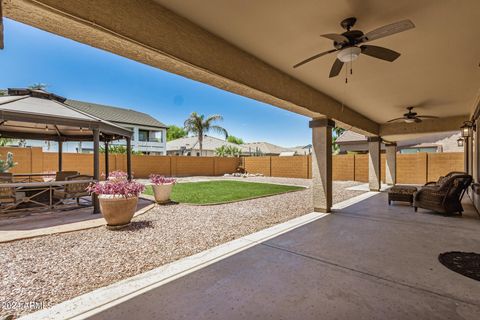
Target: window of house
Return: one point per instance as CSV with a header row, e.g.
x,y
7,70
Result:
x,y
158,136
142,135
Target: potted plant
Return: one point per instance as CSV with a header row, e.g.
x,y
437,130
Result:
x,y
7,164
162,187
118,198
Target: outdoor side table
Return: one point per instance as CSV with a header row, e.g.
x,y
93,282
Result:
x,y
401,193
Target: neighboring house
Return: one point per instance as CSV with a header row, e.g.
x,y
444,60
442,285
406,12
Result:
x,y
269,149
189,146
351,141
149,134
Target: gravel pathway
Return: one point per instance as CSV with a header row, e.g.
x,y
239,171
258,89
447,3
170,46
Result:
x,y
55,268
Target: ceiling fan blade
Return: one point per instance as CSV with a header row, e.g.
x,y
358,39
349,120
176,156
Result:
x,y
380,52
313,58
396,119
335,37
336,68
388,30
428,117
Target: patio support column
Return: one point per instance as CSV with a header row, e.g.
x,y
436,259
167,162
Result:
x,y
470,155
466,152
129,158
477,151
96,166
391,164
322,163
60,155
374,163
107,164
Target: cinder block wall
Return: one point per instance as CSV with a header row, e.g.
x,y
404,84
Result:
x,y
411,168
33,160
344,167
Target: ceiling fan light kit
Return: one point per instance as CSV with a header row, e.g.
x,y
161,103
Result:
x,y
350,44
349,54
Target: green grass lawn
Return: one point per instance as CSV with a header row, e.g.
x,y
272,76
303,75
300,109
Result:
x,y
215,192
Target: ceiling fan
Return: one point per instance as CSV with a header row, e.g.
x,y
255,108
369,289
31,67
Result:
x,y
347,44
411,117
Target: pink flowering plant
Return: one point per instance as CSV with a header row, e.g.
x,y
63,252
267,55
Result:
x,y
157,179
118,175
117,184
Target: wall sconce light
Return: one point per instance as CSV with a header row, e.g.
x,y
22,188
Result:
x,y
466,129
460,142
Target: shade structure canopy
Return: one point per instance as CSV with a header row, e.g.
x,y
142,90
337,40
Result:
x,y
40,115
37,114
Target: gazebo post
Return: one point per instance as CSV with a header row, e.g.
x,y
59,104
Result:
x,y
129,158
107,164
96,166
60,155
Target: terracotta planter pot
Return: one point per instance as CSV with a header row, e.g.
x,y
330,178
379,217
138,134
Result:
x,y
162,192
117,210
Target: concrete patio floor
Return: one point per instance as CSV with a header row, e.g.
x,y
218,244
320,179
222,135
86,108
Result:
x,y
367,261
23,225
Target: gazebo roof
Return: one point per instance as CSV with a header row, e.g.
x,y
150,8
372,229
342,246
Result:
x,y
37,114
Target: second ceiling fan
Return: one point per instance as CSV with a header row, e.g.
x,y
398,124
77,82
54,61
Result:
x,y
349,44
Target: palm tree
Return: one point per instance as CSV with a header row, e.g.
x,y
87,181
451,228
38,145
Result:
x,y
337,131
199,126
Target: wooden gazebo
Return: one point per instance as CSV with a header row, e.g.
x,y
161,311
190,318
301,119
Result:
x,y
40,115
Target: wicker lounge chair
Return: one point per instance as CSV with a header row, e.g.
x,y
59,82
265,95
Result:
x,y
445,197
63,175
7,195
74,190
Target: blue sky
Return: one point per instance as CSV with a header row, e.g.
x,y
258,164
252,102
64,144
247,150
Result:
x,y
78,71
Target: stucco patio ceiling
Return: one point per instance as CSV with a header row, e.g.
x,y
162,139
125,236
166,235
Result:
x,y
249,47
438,70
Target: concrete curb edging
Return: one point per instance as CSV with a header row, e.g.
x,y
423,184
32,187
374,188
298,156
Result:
x,y
101,299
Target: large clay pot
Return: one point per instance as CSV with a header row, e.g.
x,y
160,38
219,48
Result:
x,y
162,192
117,210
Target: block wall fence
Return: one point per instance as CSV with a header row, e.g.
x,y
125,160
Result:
x,y
415,168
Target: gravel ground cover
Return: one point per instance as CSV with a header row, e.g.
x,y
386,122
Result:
x,y
55,268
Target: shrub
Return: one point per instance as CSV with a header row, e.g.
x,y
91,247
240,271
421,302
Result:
x,y
7,164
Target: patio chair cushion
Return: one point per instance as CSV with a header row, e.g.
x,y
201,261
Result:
x,y
442,179
401,193
403,189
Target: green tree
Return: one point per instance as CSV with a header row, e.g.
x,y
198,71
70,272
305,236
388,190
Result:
x,y
235,140
174,132
199,126
5,141
118,149
38,86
